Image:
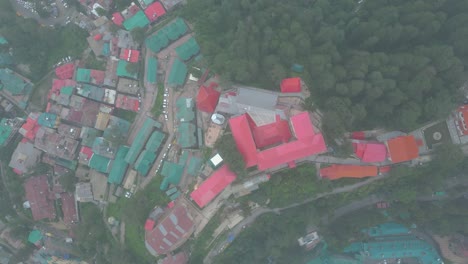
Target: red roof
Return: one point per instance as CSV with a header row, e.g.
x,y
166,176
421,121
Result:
x,y
97,37
462,119
37,193
348,171
307,143
86,152
58,84
30,128
267,135
155,11
68,208
149,224
291,85
127,102
207,98
361,135
385,169
244,140
370,152
98,76
403,148
171,231
65,71
117,18
179,258
214,185
130,55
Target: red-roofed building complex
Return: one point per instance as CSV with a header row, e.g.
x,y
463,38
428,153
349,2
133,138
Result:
x,y
30,128
130,55
127,102
117,18
370,152
179,258
207,98
65,71
39,198
335,172
155,11
213,186
461,120
401,149
291,85
70,215
171,231
307,142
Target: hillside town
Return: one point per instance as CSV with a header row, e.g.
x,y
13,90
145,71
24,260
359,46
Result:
x,y
157,113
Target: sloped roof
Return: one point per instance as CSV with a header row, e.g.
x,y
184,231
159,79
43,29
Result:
x,y
139,20
207,98
140,139
370,152
170,32
270,134
70,215
130,55
99,163
151,70
119,166
188,49
155,11
404,148
37,193
291,85
348,171
213,186
123,72
172,173
244,139
145,161
178,73
117,18
65,71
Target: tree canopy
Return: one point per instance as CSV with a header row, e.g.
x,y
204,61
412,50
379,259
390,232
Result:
x,y
393,64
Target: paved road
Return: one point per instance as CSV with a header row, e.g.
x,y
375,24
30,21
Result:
x,y
50,21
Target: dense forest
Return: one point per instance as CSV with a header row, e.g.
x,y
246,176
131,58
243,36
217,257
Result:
x,y
39,47
379,63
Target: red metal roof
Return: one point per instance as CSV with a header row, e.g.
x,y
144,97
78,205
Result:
x,y
86,152
37,193
307,143
244,140
127,102
291,85
214,185
403,148
207,98
117,18
335,172
30,128
385,169
171,231
462,119
179,258
58,84
270,134
97,37
155,11
65,71
98,76
149,224
68,208
370,152
130,55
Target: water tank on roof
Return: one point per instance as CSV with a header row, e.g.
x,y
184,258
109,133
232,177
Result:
x,y
218,119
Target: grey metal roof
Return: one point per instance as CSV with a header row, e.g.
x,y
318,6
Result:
x,y
257,98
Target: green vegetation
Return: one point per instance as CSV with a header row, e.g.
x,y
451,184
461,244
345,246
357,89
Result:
x,y
36,46
125,114
158,102
92,62
134,212
68,181
395,64
38,99
227,148
200,246
290,186
272,239
138,34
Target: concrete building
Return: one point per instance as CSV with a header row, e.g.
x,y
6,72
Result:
x,y
55,144
24,158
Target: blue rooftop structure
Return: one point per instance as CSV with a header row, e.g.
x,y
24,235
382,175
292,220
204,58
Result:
x,y
387,229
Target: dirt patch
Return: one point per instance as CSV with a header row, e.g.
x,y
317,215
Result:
x,y
38,100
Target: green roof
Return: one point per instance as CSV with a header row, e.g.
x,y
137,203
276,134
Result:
x,y
106,49
172,173
3,40
186,135
194,166
88,135
188,49
35,236
5,59
145,161
69,164
13,83
122,70
5,131
99,163
184,157
171,191
47,120
175,195
67,90
91,92
185,109
152,70
117,128
119,166
165,35
139,20
83,75
178,73
155,141
147,2
297,68
140,139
